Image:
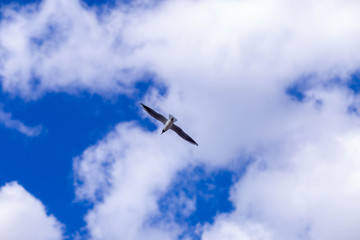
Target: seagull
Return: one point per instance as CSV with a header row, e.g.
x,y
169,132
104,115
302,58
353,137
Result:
x,y
169,124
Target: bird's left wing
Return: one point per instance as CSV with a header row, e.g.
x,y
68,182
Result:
x,y
182,134
154,114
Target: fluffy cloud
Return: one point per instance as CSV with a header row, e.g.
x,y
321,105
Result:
x,y
129,170
226,65
234,230
63,46
6,119
58,46
24,217
307,190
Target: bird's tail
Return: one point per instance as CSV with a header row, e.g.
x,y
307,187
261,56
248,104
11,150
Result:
x,y
171,116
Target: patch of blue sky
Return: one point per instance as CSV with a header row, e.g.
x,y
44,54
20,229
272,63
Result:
x,y
354,83
20,2
89,2
297,90
70,124
108,3
196,197
17,5
296,93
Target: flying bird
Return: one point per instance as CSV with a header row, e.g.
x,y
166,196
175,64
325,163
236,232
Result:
x,y
169,124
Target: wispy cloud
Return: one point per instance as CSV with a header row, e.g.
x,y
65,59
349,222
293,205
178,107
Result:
x,y
7,121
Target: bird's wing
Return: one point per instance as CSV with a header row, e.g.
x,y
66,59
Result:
x,y
182,134
154,114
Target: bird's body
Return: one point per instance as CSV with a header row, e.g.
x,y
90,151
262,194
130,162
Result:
x,y
169,124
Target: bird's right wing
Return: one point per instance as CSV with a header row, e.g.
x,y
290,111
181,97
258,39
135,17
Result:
x,y
154,114
182,134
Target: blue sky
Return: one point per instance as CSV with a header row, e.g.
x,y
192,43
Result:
x,y
269,98
71,122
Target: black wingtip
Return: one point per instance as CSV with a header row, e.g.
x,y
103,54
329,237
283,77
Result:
x,y
144,106
193,142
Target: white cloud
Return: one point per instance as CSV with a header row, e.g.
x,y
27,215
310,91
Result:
x,y
140,171
58,46
24,217
68,47
306,186
232,230
6,119
227,65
